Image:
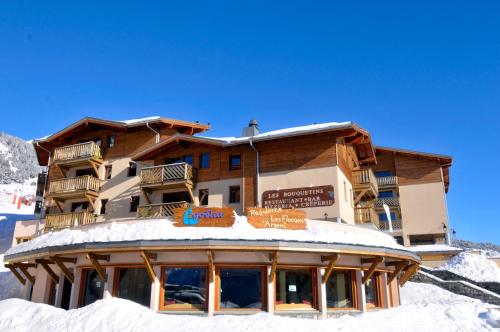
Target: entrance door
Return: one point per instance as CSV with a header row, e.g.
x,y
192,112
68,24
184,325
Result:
x,y
134,284
66,294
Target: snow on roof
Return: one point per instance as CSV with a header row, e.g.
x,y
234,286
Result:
x,y
142,120
163,229
434,248
283,132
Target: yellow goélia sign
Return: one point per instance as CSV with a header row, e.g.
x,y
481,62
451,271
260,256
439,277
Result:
x,y
276,218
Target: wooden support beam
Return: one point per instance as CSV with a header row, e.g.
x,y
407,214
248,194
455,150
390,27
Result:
x,y
396,263
146,195
371,270
45,264
59,205
360,195
91,201
24,270
411,270
95,258
67,272
16,273
399,267
95,167
210,255
334,258
190,193
63,259
370,260
149,267
274,262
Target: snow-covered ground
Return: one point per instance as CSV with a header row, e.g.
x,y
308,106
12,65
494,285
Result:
x,y
473,266
425,308
7,193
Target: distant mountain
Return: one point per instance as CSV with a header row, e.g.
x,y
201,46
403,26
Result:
x,y
489,248
18,160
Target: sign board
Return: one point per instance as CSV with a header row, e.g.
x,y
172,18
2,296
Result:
x,y
276,218
299,198
203,217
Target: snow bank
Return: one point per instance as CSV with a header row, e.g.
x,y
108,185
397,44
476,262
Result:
x,y
434,248
423,312
163,229
473,266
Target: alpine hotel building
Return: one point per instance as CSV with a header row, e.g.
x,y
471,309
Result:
x,y
151,210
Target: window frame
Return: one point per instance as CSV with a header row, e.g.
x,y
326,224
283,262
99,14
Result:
x,y
297,306
83,281
116,276
104,202
130,168
131,205
106,175
264,290
230,201
111,140
201,160
207,197
161,304
354,290
377,282
231,166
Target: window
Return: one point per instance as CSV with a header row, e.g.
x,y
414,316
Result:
x,y
79,206
93,287
84,171
234,161
188,159
381,174
234,194
385,194
399,240
231,293
134,203
132,168
372,292
184,288
203,197
107,172
205,160
52,293
133,284
111,140
383,216
66,294
339,290
103,206
294,288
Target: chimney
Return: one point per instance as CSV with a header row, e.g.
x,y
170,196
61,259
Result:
x,y
252,129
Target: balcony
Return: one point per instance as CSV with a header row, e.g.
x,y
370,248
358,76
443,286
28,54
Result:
x,y
161,210
365,215
78,187
387,181
55,222
397,225
167,176
364,184
78,154
392,202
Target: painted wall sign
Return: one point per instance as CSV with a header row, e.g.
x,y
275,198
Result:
x,y
276,218
299,198
203,217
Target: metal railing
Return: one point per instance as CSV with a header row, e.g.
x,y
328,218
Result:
x,y
66,220
390,201
365,177
166,173
161,210
384,181
80,183
78,151
396,225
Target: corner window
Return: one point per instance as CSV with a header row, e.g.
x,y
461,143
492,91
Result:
x,y
294,288
111,140
234,161
107,172
234,194
134,203
231,293
132,169
184,288
205,160
339,290
104,202
203,197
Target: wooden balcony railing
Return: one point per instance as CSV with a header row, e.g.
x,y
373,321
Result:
x,y
365,179
66,220
87,150
397,225
385,181
165,174
78,184
159,210
390,201
363,215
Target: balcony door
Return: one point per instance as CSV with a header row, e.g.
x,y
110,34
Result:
x,y
180,196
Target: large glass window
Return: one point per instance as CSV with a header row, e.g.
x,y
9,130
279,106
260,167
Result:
x,y
184,288
372,292
339,290
93,287
294,288
240,288
134,284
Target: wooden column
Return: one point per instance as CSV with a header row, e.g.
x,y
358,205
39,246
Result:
x,y
270,291
321,272
361,290
274,263
155,290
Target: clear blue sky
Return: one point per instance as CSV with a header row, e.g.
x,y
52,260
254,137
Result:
x,y
419,75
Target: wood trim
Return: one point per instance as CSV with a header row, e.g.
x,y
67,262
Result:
x,y
332,260
274,262
211,270
377,284
67,273
24,270
16,273
354,293
94,258
149,268
45,264
298,306
371,270
394,274
409,272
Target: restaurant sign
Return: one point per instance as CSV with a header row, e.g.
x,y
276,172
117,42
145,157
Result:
x,y
299,198
203,217
276,218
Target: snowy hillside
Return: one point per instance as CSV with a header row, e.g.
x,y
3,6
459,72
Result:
x,y
18,160
425,308
473,266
